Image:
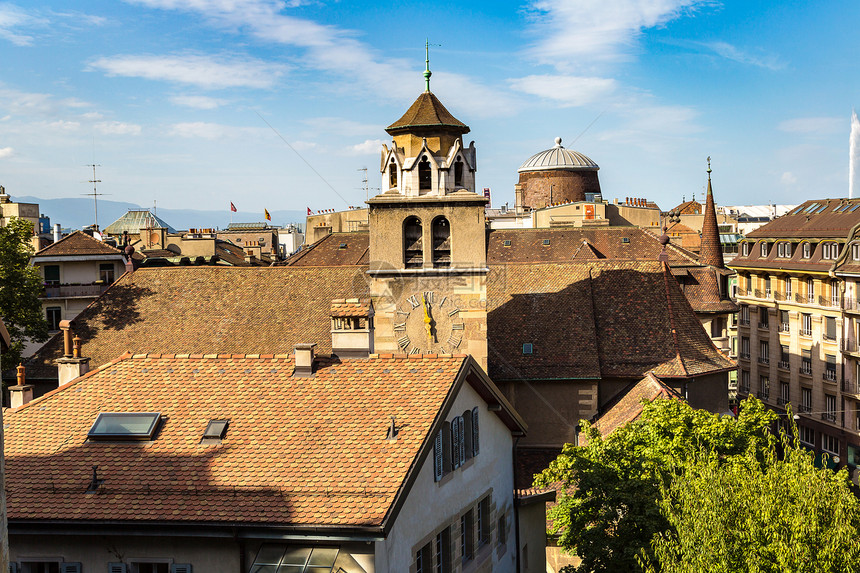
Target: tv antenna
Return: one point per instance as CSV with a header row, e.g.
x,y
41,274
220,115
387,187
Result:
x,y
365,184
95,194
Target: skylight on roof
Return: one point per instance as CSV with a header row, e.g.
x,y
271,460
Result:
x,y
811,208
215,429
124,426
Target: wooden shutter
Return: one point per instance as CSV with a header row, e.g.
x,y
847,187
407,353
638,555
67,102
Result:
x,y
462,430
70,568
180,568
438,459
475,443
117,568
455,442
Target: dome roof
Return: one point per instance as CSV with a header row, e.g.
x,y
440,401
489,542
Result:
x,y
558,158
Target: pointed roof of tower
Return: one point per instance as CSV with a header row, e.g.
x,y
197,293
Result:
x,y
427,111
710,252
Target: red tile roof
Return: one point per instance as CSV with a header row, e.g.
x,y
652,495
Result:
x,y
629,406
337,249
817,218
351,307
77,244
298,451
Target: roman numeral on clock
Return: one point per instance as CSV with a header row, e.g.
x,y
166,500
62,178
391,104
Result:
x,y
458,326
403,342
454,341
413,301
453,312
428,296
414,350
400,326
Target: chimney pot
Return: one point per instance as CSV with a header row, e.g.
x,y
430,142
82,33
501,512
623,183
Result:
x,y
21,375
304,359
77,346
21,393
66,327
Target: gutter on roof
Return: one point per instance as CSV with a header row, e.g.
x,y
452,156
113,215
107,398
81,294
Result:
x,y
783,269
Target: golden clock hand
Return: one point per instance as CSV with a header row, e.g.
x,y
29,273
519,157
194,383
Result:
x,y
427,320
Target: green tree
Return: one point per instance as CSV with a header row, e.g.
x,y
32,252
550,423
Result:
x,y
608,508
741,514
20,287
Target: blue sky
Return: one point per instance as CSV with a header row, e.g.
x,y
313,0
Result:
x,y
173,97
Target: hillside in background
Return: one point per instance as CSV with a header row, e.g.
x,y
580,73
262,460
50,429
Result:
x,y
76,213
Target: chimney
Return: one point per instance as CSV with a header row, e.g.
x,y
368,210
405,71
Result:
x,y
125,241
71,365
58,234
129,261
21,393
304,360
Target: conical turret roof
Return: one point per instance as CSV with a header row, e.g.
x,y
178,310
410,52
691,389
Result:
x,y
427,111
711,252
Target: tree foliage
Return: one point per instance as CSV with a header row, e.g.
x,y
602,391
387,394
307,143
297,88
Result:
x,y
740,514
20,287
608,510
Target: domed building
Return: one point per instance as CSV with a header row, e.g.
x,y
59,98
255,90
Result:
x,y
557,175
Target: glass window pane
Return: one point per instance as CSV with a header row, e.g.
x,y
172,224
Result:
x,y
296,555
119,425
291,569
264,568
323,556
270,554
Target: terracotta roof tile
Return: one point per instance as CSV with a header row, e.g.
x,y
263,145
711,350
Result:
x,y
76,244
629,406
337,249
427,111
298,451
353,307
816,218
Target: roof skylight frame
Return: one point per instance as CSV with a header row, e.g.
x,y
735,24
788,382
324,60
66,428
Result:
x,y
216,429
121,426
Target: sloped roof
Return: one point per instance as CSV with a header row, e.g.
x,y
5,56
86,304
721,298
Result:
x,y
208,309
336,249
630,404
427,111
308,451
797,262
134,221
77,244
351,307
816,218
702,285
593,320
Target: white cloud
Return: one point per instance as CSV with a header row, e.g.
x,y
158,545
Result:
x,y
11,19
575,35
117,128
733,53
64,125
814,125
566,90
198,102
20,103
788,178
204,71
367,147
6,152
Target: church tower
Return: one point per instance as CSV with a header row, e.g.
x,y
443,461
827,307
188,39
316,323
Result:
x,y
428,256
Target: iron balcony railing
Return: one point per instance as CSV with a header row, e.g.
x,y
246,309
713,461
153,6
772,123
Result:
x,y
763,360
806,368
829,375
783,364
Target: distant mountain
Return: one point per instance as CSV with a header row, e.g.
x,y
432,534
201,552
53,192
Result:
x,y
76,213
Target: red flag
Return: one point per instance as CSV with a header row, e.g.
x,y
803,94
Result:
x,y
268,217
310,212
232,207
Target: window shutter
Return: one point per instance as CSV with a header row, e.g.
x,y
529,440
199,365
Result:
x,y
13,568
438,460
70,568
117,568
462,429
475,445
455,442
180,568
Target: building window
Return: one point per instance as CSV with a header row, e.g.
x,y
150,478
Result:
x,y
829,408
806,401
829,328
423,560
784,393
745,347
764,384
441,242
830,251
788,288
53,314
458,173
767,290
830,444
502,528
745,315
413,246
763,248
780,249
763,320
830,367
392,174
834,293
144,567
443,551
807,250
764,352
783,357
106,273
745,381
807,435
855,252
52,275
467,536
484,521
810,290
425,175
40,567
806,324
746,249
783,321
806,361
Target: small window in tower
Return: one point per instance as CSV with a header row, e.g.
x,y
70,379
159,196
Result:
x,y
458,173
441,242
425,175
413,250
392,174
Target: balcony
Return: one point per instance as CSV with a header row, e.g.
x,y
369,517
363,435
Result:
x,y
744,321
783,327
763,360
782,401
850,304
779,295
783,365
763,395
849,387
74,291
744,355
849,346
829,375
764,326
799,298
805,332
804,408
806,368
743,291
829,417
828,338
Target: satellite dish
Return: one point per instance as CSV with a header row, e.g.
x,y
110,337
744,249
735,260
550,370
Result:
x,y
97,235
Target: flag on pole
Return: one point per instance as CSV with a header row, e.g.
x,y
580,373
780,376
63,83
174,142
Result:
x,y
268,217
232,207
310,212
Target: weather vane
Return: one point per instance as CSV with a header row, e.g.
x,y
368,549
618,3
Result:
x,y
427,72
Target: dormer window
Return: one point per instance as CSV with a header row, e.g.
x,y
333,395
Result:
x,y
124,426
458,172
855,252
441,243
425,175
746,249
392,174
783,249
829,251
763,248
807,250
413,249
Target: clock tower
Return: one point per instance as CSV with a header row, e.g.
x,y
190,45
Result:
x,y
428,251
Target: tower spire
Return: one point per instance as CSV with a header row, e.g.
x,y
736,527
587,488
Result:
x,y
711,252
427,72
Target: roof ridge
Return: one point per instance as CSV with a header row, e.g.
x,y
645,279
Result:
x,y
666,274
75,234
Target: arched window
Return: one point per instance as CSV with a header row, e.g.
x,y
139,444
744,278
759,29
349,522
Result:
x,y
458,173
413,252
425,180
441,242
392,175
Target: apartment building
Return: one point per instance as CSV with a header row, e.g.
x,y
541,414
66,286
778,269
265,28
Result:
x,y
798,323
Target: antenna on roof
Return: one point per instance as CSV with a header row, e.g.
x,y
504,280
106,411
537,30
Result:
x,y
95,194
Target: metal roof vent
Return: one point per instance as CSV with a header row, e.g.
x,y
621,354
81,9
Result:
x,y
528,348
506,243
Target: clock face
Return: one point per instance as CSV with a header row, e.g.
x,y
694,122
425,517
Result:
x,y
428,322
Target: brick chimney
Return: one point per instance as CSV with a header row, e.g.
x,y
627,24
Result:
x,y
71,365
21,393
304,360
